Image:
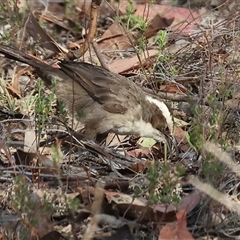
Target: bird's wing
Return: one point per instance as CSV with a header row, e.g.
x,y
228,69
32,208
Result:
x,y
114,92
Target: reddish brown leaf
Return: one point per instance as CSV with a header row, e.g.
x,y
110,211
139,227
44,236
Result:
x,y
48,166
40,35
177,230
184,19
172,88
126,64
179,134
156,24
190,201
137,208
115,38
139,167
8,155
12,90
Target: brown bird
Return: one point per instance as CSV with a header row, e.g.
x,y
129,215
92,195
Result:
x,y
109,102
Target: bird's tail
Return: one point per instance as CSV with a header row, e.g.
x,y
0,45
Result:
x,y
15,54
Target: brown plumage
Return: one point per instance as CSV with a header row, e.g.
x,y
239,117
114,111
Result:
x,y
108,102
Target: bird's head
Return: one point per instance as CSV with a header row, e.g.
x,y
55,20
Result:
x,y
162,120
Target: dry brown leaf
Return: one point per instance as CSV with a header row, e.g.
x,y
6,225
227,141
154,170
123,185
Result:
x,y
35,30
180,137
14,91
115,38
139,152
172,88
15,81
184,19
56,20
30,142
156,24
137,208
8,155
2,236
49,164
127,64
177,230
190,201
114,139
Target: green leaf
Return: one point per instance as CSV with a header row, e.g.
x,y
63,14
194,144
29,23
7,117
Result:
x,y
147,142
189,141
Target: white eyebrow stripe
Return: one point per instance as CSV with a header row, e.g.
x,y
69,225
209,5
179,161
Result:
x,y
165,111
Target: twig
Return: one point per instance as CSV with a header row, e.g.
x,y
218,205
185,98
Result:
x,y
95,6
99,55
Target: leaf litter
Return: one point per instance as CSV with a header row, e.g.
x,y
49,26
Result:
x,y
69,187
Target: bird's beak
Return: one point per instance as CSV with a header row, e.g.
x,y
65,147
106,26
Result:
x,y
172,146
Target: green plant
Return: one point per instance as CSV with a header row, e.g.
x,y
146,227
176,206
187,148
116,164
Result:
x,y
10,14
7,101
81,115
160,184
130,17
163,184
164,58
27,204
162,39
62,111
131,20
212,167
27,104
73,205
43,107
208,124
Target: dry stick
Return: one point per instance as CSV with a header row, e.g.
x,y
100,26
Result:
x,y
95,6
231,104
99,55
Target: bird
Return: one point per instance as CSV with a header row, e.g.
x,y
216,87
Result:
x,y
107,102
